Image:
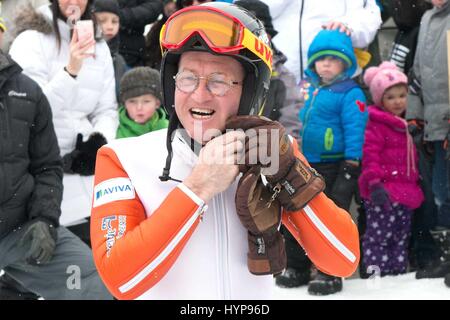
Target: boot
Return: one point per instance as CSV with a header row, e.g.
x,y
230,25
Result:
x,y
440,267
324,284
292,278
447,280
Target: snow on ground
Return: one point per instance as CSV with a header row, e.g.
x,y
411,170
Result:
x,y
403,287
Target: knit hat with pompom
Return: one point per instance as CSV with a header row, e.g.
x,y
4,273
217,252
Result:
x,y
381,78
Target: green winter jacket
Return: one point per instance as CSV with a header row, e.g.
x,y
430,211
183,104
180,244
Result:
x,y
129,128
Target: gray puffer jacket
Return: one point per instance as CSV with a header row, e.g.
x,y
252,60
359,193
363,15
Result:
x,y
429,97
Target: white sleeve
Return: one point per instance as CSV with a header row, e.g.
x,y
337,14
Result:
x,y
28,51
364,18
105,117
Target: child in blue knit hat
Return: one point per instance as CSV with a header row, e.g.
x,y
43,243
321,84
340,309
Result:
x,y
333,122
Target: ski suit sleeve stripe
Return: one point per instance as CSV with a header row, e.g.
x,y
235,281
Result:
x,y
326,232
133,252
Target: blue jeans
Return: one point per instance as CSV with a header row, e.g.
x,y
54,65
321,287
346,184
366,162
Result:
x,y
441,184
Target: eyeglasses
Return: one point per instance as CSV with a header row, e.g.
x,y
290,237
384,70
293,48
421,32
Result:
x,y
216,83
187,3
222,32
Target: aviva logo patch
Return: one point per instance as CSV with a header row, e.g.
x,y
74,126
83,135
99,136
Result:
x,y
113,190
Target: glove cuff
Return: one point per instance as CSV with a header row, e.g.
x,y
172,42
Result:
x,y
266,253
298,187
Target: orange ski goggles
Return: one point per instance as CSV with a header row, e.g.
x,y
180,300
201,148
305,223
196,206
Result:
x,y
222,32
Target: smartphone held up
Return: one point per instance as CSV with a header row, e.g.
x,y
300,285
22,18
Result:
x,y
85,31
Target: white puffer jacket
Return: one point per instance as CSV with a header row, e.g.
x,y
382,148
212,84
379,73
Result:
x,y
84,105
303,19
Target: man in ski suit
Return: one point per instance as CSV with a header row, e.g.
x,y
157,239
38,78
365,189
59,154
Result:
x,y
202,230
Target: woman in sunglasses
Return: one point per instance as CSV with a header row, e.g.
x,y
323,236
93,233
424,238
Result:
x,y
201,230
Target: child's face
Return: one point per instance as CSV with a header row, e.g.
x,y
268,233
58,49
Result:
x,y
141,109
438,3
170,8
109,22
329,68
395,99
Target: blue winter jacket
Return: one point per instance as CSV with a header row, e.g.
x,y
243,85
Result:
x,y
333,118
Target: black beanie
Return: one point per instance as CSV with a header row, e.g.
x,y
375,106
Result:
x,y
261,11
139,81
107,6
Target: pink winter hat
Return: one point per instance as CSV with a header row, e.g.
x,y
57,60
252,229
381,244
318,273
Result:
x,y
381,78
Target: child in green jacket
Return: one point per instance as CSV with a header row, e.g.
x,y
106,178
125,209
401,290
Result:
x,y
140,98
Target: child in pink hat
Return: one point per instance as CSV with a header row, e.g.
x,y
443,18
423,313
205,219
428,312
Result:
x,y
389,182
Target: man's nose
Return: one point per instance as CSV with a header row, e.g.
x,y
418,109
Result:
x,y
201,93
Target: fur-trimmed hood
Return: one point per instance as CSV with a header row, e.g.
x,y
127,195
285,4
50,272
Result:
x,y
41,20
29,18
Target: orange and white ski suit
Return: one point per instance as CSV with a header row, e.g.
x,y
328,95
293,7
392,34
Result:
x,y
158,240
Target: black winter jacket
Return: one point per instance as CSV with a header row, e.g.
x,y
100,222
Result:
x,y
134,16
30,164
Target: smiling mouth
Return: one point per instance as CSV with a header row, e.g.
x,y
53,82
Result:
x,y
198,113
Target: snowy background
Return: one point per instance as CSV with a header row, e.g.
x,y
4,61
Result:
x,y
403,287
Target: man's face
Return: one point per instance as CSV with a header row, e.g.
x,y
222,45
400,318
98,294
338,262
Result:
x,y
200,111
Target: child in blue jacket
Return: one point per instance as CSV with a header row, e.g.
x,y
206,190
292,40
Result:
x,y
333,122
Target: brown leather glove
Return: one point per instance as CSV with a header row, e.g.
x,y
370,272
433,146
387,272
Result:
x,y
261,216
292,182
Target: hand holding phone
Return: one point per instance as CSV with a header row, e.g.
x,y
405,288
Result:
x,y
85,31
82,46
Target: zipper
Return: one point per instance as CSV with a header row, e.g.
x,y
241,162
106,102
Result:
x,y
222,247
300,38
3,142
307,115
226,251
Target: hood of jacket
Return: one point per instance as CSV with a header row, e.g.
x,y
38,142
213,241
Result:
x,y
332,43
41,20
30,18
378,114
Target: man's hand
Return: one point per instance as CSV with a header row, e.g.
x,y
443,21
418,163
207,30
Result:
x,y
416,130
40,237
217,167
